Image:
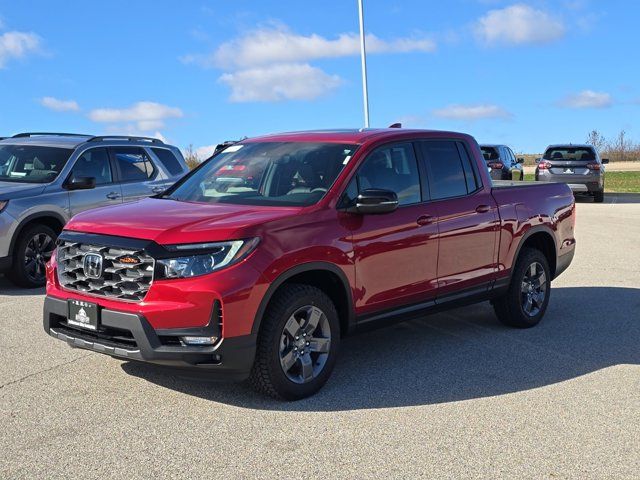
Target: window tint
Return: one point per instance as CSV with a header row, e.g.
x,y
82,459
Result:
x,y
469,172
169,160
94,163
134,164
392,168
570,153
446,176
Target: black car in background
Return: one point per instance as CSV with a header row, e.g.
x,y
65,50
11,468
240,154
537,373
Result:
x,y
502,163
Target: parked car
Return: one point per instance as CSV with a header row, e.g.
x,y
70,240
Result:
x,y
46,178
502,164
579,166
343,231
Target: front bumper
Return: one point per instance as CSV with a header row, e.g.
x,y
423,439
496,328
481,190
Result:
x,y
130,336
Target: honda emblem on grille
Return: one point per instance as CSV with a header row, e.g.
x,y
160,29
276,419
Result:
x,y
92,265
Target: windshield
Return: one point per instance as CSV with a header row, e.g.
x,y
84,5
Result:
x,y
31,164
570,153
267,173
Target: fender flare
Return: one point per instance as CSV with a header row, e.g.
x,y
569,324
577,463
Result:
x,y
306,267
29,219
532,231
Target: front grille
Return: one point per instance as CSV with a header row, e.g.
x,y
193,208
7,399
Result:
x,y
124,281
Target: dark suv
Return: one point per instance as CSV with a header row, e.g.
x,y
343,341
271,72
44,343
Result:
x,y
502,164
46,178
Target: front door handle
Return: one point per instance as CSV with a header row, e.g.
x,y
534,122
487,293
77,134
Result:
x,y
113,195
425,220
483,208
158,189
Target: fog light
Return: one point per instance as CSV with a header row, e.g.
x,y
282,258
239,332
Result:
x,y
199,340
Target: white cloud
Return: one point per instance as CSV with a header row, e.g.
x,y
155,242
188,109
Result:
x,y
587,99
518,24
471,112
59,105
268,46
205,151
279,82
142,116
17,45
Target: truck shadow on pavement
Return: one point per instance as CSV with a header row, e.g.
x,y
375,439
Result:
x,y
9,289
458,355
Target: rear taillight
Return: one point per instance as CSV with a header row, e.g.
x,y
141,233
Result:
x,y
495,165
593,166
544,165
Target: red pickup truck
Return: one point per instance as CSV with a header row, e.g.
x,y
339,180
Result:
x,y
259,274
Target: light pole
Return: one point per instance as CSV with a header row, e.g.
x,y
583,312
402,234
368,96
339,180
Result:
x,y
363,59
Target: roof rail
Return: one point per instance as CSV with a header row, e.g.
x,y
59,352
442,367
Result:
x,y
48,134
128,138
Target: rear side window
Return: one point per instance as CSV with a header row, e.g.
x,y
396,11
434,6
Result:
x,y
133,163
169,160
445,167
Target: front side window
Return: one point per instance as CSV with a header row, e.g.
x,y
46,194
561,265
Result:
x,y
266,173
134,164
392,168
94,163
31,164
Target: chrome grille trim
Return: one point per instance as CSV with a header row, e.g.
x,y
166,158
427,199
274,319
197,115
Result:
x,y
119,281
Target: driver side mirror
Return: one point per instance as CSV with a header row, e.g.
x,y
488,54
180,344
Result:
x,y
520,160
538,160
374,201
605,160
81,183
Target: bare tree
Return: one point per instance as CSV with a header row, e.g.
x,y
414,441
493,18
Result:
x,y
598,141
191,157
620,148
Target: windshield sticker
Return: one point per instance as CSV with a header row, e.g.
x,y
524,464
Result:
x,y
346,159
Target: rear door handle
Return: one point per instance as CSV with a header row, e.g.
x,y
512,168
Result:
x,y
425,220
483,208
113,195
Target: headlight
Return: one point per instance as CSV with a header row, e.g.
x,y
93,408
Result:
x,y
3,204
219,255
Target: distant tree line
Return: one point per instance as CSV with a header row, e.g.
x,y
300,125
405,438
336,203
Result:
x,y
619,149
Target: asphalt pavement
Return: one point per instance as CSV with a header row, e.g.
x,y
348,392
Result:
x,y
455,395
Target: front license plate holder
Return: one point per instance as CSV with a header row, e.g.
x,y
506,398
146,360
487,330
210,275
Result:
x,y
83,314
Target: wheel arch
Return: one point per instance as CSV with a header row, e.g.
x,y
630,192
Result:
x,y
323,275
543,239
51,219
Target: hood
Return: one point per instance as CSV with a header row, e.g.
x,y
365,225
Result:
x,y
12,190
170,222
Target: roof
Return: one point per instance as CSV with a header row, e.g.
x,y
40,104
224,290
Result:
x,y
357,136
492,145
48,141
570,145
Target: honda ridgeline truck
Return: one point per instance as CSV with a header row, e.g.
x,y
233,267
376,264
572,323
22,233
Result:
x,y
259,261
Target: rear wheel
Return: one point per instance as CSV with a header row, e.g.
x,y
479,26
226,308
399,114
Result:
x,y
525,303
32,251
298,343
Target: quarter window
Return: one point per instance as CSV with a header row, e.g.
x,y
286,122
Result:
x,y
134,164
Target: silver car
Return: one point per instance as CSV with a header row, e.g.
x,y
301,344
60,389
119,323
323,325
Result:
x,y
579,166
46,178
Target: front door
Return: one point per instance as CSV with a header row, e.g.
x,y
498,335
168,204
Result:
x,y
94,163
395,253
138,176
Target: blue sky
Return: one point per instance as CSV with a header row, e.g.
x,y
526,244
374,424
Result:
x,y
524,73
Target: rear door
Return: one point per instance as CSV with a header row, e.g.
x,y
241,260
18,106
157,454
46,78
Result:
x,y
395,253
94,162
468,219
138,176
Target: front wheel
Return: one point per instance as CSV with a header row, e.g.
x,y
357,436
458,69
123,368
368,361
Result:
x,y
525,302
298,343
33,250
